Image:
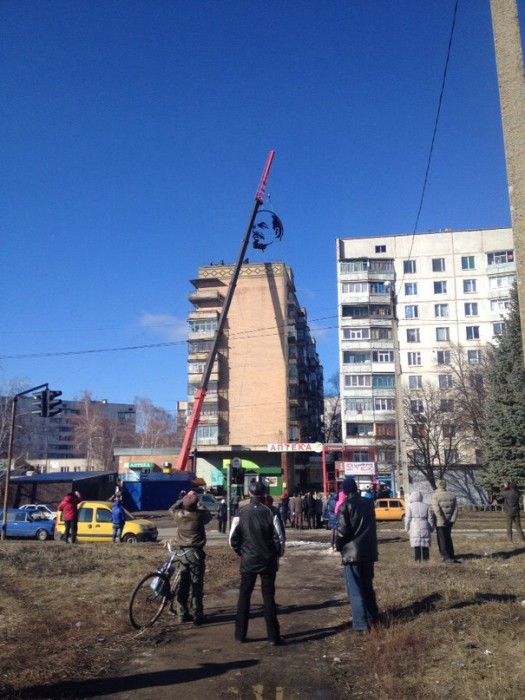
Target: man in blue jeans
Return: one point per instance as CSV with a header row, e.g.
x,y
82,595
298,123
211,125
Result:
x,y
356,540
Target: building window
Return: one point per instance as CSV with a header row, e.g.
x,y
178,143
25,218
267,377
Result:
x,y
202,326
497,328
471,308
472,332
442,334
415,381
414,358
196,346
207,432
356,333
352,357
470,286
378,288
501,281
381,333
381,266
409,267
499,305
502,257
358,405
467,262
360,456
438,264
387,430
475,380
383,381
441,310
412,311
383,356
355,311
413,335
417,406
445,381
357,429
354,287
440,287
447,406
357,380
353,266
474,357
419,430
410,289
451,456
443,357
449,430
380,248
383,404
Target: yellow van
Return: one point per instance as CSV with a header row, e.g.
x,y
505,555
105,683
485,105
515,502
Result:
x,y
94,524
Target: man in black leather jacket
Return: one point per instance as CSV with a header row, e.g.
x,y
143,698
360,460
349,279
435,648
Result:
x,y
258,538
356,540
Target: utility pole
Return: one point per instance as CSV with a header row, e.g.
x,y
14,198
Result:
x,y
401,442
511,81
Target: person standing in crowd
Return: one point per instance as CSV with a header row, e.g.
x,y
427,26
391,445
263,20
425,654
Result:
x,y
419,523
222,515
310,510
234,503
257,536
356,540
284,507
190,518
445,509
118,518
511,506
69,507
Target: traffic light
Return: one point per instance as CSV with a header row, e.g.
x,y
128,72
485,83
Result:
x,y
53,403
40,403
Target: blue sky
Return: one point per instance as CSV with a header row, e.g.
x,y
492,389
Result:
x,y
133,138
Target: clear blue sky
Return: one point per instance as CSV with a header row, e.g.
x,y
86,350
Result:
x,y
134,134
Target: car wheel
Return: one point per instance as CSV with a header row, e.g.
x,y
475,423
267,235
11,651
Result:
x,y
42,535
130,539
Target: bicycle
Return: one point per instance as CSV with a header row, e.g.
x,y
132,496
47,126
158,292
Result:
x,y
152,593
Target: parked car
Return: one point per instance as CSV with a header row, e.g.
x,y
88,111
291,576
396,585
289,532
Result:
x,y
95,525
22,523
209,501
45,510
390,509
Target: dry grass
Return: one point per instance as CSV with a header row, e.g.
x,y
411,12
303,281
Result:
x,y
63,609
449,630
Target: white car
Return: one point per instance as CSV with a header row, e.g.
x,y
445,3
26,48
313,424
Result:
x,y
40,509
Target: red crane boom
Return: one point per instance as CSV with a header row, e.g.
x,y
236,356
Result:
x,y
200,394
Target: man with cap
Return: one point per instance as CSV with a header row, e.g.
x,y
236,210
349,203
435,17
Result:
x,y
356,540
191,517
445,508
257,536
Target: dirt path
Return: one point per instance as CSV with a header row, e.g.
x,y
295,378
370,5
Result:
x,y
190,662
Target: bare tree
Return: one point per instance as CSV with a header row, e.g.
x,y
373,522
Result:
x,y
155,426
469,379
436,437
332,411
89,431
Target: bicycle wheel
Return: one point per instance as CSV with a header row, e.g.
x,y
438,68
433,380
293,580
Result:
x,y
174,590
148,600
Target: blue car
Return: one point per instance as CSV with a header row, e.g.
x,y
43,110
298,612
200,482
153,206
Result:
x,y
23,523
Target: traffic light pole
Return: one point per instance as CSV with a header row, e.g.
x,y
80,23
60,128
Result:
x,y
10,452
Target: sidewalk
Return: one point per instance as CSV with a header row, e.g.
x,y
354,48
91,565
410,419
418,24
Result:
x,y
190,661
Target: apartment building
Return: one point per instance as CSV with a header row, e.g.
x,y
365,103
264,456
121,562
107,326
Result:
x,y
266,385
447,288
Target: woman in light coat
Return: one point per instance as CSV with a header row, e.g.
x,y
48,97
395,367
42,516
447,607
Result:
x,y
419,523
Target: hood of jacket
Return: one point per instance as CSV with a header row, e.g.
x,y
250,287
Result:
x,y
415,497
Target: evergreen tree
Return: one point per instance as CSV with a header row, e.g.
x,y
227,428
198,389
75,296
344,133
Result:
x,y
503,438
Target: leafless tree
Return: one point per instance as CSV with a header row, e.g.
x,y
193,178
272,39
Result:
x,y
436,435
332,411
155,426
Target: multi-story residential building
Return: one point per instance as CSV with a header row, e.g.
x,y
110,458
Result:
x,y
266,385
448,289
